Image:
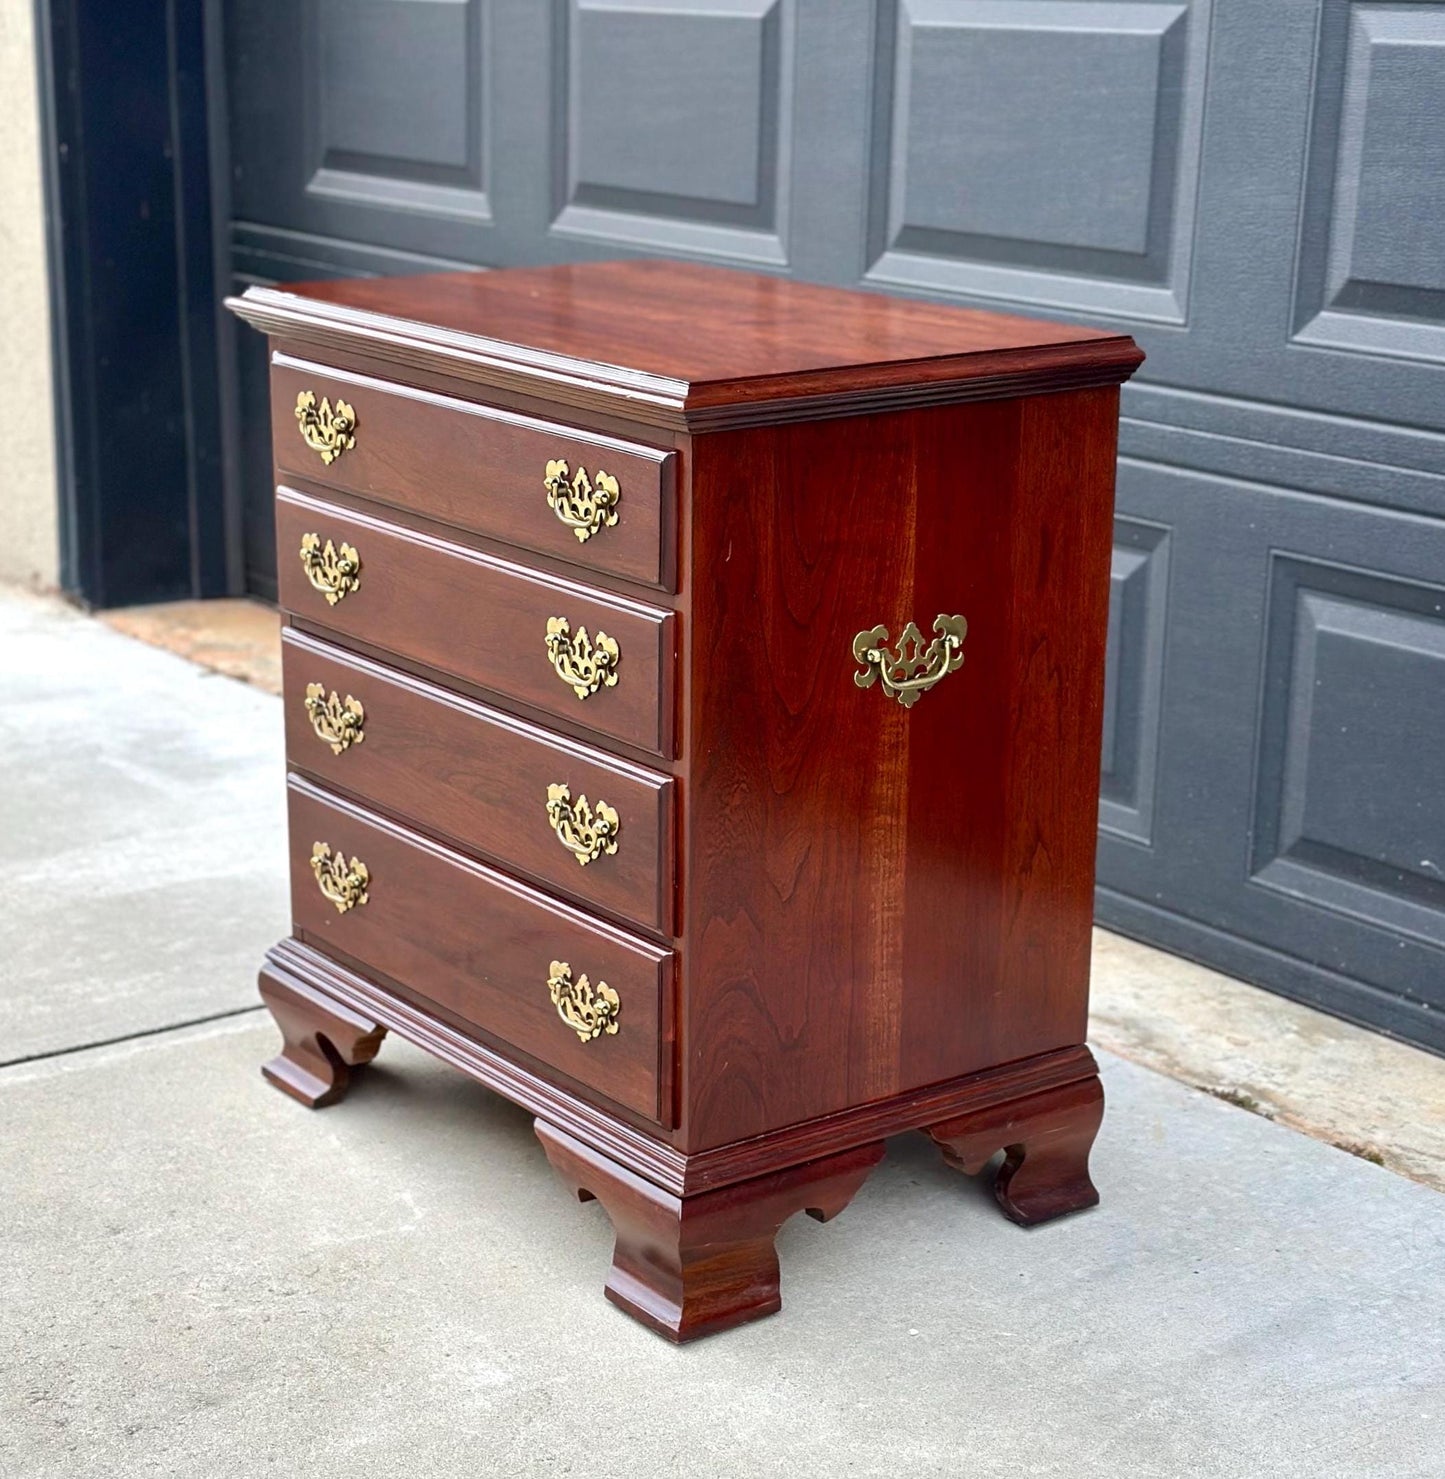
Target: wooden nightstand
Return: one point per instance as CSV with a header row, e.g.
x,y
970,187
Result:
x,y
693,697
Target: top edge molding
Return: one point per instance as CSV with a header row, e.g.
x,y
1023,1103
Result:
x,y
679,405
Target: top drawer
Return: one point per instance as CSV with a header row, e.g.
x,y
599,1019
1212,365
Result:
x,y
587,499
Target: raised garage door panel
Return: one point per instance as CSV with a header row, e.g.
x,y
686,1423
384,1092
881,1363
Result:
x,y
1300,804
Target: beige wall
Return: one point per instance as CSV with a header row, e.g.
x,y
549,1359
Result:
x,y
28,540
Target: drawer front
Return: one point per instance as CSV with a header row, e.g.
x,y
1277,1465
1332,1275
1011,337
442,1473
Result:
x,y
578,820
484,947
481,618
480,468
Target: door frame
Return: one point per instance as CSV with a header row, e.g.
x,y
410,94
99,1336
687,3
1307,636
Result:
x,y
133,152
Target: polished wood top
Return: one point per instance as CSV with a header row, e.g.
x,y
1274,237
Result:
x,y
687,345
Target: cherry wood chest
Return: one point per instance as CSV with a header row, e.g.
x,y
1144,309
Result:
x,y
693,689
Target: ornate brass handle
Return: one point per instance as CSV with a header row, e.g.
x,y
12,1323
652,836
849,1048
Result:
x,y
345,884
335,719
585,663
334,572
584,833
584,507
588,1011
328,430
912,669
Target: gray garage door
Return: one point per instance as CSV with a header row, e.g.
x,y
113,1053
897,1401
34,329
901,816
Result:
x,y
1255,191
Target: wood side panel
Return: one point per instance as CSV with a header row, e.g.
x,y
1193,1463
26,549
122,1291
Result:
x,y
1061,551
1005,806
479,467
483,618
881,898
798,779
481,944
479,777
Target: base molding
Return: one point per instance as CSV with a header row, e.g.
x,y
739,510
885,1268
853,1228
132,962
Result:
x,y
691,1266
978,1099
322,1040
1045,1139
694,1249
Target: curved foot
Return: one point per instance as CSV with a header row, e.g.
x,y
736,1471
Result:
x,y
322,1041
690,1266
1046,1139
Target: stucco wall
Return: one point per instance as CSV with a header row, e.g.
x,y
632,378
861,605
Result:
x,y
28,537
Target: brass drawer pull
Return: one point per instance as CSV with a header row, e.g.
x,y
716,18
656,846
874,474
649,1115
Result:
x,y
584,663
328,430
336,720
584,507
334,572
345,884
587,1011
584,833
912,669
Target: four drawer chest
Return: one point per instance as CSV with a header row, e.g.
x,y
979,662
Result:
x,y
693,693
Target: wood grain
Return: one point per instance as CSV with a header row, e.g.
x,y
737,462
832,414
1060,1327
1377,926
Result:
x,y
321,1041
480,944
693,1266
689,347
478,778
480,468
988,1098
458,609
1046,1139
881,898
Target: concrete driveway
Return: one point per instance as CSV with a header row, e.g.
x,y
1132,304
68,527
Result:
x,y
200,1278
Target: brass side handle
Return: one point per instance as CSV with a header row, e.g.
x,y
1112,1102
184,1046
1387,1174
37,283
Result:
x,y
336,720
334,571
585,833
582,505
911,669
329,430
584,663
589,1011
344,883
